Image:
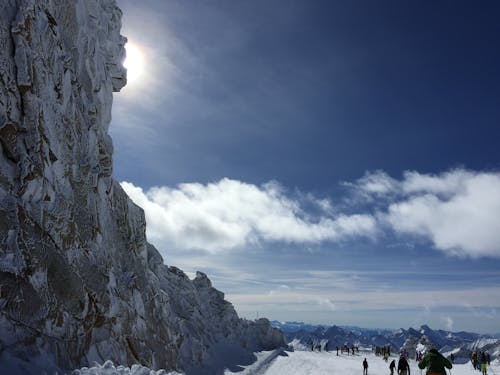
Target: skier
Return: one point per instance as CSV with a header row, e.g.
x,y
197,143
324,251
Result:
x,y
365,367
435,363
392,366
403,366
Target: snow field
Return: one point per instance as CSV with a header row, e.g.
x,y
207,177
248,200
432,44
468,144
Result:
x,y
328,363
280,362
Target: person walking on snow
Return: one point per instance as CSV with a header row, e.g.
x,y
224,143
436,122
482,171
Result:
x,y
483,363
435,363
403,366
365,367
392,366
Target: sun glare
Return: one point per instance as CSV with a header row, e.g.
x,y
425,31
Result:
x,y
134,62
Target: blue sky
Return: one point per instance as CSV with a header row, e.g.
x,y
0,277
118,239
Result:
x,y
329,162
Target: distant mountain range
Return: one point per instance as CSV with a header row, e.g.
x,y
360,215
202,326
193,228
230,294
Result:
x,y
458,343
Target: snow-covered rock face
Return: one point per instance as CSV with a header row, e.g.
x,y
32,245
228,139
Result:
x,y
78,281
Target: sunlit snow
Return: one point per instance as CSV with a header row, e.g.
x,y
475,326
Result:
x,y
280,362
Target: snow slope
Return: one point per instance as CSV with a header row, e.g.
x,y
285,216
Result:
x,y
279,362
462,343
306,362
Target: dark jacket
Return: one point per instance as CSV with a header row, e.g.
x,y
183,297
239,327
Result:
x,y
435,362
403,365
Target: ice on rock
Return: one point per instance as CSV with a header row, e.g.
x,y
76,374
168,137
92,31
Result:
x,y
78,281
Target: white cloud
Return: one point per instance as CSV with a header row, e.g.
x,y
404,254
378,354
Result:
x,y
484,312
229,214
280,289
448,183
458,211
374,183
448,322
327,302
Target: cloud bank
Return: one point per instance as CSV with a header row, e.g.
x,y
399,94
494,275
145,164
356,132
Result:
x,y
456,211
230,214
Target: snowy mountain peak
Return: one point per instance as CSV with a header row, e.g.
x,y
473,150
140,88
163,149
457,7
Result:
x,y
424,328
461,343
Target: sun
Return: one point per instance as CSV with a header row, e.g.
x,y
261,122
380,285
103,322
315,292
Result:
x,y
134,62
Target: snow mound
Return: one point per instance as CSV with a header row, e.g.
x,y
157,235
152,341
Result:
x,y
108,368
296,344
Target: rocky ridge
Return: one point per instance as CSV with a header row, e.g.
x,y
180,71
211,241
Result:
x,y
78,280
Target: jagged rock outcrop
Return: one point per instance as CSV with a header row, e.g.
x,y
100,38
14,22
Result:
x,y
78,280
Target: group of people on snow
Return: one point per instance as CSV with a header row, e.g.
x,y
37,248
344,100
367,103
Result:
x,y
318,346
480,361
323,345
345,349
383,350
403,366
433,361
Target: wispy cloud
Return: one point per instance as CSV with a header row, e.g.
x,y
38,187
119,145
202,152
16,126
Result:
x,y
448,322
483,312
230,214
438,304
376,183
327,302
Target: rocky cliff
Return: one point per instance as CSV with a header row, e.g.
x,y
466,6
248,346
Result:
x,y
78,280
